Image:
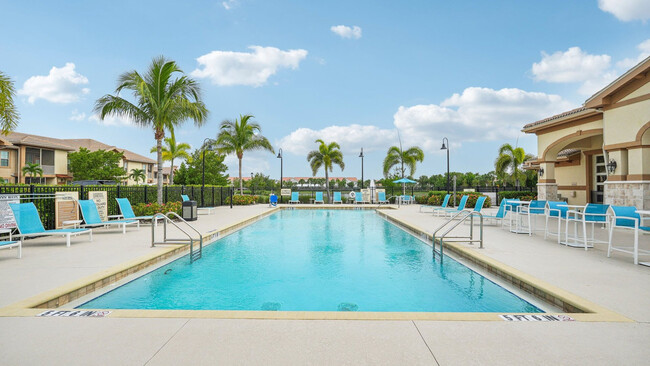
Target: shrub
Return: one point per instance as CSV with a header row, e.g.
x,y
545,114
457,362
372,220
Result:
x,y
149,209
241,200
522,195
436,198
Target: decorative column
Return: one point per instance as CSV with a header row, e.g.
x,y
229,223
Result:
x,y
547,186
629,184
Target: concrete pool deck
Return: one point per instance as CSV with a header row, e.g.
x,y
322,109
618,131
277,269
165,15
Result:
x,y
614,283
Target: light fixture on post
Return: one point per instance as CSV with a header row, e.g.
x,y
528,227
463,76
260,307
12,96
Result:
x,y
281,162
208,147
541,172
611,166
446,147
361,156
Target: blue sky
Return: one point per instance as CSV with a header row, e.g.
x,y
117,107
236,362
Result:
x,y
350,71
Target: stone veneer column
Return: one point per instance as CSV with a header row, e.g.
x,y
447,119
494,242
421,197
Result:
x,y
547,187
628,193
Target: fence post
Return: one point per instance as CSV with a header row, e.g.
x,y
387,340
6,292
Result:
x,y
118,191
212,196
202,198
166,189
232,189
81,193
182,189
220,196
192,192
496,195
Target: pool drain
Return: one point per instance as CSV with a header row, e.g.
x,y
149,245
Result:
x,y
271,306
348,306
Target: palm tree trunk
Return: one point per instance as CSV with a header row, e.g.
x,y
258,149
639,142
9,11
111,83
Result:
x,y
171,173
159,167
241,183
327,184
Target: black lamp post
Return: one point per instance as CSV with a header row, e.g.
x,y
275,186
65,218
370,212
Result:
x,y
281,162
361,156
446,147
252,188
208,147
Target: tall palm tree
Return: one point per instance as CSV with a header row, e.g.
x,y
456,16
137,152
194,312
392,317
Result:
x,y
241,135
327,155
396,157
137,174
162,101
172,150
8,112
33,169
510,161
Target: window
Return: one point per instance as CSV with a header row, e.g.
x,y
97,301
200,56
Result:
x,y
4,158
33,155
48,157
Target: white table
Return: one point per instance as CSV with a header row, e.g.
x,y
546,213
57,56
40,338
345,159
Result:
x,y
643,213
519,225
575,244
206,210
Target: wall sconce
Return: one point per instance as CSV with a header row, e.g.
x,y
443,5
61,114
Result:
x,y
541,172
611,166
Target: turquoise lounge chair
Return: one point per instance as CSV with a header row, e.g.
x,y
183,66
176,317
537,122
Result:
x,y
337,198
500,215
381,198
90,215
185,197
13,244
358,198
319,198
295,197
127,211
445,203
461,207
29,224
626,217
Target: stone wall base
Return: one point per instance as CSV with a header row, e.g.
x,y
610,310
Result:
x,y
636,193
547,191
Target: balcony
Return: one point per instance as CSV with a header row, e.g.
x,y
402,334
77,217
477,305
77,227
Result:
x,y
48,169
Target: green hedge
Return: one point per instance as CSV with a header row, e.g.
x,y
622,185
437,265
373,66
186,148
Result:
x,y
435,198
522,195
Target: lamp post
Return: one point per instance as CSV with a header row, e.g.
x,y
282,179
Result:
x,y
361,156
281,163
446,147
204,147
252,188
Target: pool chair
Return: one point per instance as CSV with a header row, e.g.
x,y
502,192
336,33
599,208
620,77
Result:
x,y
185,197
512,208
530,212
13,244
453,211
337,198
29,224
626,217
478,206
295,197
90,216
499,216
273,200
445,202
381,198
555,210
591,214
319,198
358,198
126,211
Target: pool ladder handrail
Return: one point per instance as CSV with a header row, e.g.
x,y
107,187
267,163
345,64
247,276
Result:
x,y
467,239
194,255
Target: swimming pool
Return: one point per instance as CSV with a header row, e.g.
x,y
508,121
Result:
x,y
316,260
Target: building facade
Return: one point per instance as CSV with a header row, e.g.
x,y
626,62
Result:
x,y
600,152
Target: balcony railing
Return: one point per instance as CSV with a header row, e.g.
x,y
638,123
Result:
x,y
48,169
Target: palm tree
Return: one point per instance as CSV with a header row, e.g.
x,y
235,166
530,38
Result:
x,y
162,102
8,113
238,136
327,155
137,174
33,169
510,161
171,150
396,157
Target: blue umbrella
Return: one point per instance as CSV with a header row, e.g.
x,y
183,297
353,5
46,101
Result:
x,y
404,180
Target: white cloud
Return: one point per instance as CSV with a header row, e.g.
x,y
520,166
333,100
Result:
x,y
350,137
61,85
347,32
227,68
77,116
626,10
644,52
478,114
574,65
252,162
120,120
228,4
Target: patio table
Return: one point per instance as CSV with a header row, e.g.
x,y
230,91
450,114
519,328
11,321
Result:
x,y
643,213
519,224
578,208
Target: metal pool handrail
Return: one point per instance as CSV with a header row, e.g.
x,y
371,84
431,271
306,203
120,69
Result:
x,y
470,239
194,255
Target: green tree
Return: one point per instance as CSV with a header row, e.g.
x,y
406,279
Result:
x,y
326,156
191,171
163,102
33,169
8,113
509,163
396,157
172,150
100,164
241,135
137,174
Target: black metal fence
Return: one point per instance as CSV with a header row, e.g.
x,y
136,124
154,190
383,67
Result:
x,y
208,196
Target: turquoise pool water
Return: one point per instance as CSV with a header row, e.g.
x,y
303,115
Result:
x,y
316,260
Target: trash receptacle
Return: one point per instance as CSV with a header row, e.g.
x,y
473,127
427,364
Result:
x,y
189,210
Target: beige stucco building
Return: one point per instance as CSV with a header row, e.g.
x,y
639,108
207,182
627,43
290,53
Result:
x,y
599,152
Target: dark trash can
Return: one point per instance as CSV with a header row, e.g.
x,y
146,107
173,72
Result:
x,y
189,210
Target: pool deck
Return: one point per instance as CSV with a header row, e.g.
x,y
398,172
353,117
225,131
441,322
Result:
x,y
612,283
